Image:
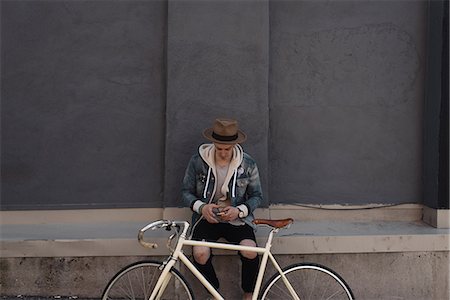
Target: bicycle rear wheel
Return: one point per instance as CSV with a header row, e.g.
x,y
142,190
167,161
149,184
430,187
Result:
x,y
310,282
138,280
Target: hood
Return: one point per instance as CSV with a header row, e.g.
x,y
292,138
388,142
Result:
x,y
207,152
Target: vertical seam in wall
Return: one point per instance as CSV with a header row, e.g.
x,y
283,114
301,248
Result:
x,y
269,165
443,186
164,80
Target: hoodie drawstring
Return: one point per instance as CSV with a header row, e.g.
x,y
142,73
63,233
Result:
x,y
208,178
233,190
207,182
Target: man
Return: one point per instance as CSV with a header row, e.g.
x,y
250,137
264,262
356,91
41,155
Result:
x,y
222,187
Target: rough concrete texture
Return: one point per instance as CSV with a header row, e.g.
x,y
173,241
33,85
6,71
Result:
x,y
413,275
217,66
346,91
82,103
104,101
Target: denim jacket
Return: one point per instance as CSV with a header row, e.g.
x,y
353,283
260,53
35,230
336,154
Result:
x,y
244,187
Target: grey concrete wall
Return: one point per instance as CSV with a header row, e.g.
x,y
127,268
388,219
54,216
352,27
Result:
x,y
346,94
410,275
83,103
217,67
103,102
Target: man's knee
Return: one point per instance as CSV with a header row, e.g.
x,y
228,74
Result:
x,y
248,254
201,254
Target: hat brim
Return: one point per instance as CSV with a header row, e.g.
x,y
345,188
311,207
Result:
x,y
241,137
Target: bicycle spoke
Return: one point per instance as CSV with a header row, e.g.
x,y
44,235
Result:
x,y
335,293
313,284
324,293
124,292
143,285
131,287
310,282
281,290
138,280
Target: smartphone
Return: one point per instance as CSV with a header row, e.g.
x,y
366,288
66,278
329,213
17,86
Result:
x,y
218,212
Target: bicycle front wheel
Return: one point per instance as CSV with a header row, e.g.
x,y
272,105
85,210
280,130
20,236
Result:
x,y
138,280
310,282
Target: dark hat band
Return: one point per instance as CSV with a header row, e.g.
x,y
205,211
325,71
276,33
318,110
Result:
x,y
224,138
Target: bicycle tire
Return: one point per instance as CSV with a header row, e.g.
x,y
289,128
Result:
x,y
136,281
310,281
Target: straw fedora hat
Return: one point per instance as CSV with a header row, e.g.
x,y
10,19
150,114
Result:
x,y
225,131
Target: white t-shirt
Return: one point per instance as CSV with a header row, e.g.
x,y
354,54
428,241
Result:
x,y
219,198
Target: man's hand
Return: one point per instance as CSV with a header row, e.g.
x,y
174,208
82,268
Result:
x,y
208,214
230,213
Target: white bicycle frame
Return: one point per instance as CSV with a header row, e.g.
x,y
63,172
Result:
x,y
178,254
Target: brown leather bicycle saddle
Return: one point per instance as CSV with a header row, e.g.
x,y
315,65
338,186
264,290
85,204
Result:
x,y
274,223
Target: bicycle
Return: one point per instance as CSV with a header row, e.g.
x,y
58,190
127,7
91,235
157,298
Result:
x,y
161,280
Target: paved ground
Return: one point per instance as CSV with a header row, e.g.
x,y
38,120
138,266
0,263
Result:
x,y
21,297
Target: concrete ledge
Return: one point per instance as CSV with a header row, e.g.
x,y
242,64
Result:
x,y
304,237
335,229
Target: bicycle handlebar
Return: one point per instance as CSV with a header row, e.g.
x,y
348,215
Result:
x,y
167,224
